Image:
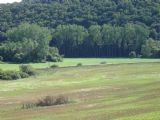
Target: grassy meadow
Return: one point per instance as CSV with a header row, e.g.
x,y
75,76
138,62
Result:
x,y
105,92
74,61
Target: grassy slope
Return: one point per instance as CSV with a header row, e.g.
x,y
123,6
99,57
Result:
x,y
84,61
120,92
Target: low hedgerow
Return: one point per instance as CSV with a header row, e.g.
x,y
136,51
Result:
x,y
47,101
25,72
9,75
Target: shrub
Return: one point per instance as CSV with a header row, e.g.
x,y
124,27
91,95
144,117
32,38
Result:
x,y
23,75
103,62
27,69
47,101
132,54
14,75
24,72
50,100
79,64
54,66
61,100
9,75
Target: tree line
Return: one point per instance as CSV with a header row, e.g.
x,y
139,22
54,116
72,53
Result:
x,y
32,43
79,28
104,41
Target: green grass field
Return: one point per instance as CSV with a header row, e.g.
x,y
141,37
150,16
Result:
x,y
75,61
106,92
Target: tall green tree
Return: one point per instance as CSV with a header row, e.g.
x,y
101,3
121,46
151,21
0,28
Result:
x,y
27,43
70,37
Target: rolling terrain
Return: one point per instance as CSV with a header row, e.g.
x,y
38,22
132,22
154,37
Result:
x,y
104,92
74,61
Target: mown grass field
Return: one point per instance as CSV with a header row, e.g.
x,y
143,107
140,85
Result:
x,y
106,92
75,61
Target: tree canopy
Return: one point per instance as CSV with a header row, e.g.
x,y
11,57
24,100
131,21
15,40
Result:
x,y
26,43
84,28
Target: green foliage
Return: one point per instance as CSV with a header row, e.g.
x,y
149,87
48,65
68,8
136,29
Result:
x,y
151,48
24,75
53,55
95,36
79,64
103,62
25,72
27,43
134,36
132,54
80,28
72,35
54,66
9,75
27,69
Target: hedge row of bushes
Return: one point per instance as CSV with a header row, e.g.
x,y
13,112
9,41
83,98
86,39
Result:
x,y
25,72
47,101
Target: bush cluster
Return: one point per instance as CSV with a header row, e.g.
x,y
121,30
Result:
x,y
25,72
9,75
47,101
27,69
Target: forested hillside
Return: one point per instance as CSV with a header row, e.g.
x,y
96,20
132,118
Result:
x,y
91,28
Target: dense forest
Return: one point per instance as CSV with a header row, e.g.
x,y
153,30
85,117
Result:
x,y
82,28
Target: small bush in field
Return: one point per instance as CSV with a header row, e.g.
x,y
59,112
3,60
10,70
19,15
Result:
x,y
79,64
54,66
47,101
27,69
103,62
61,100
